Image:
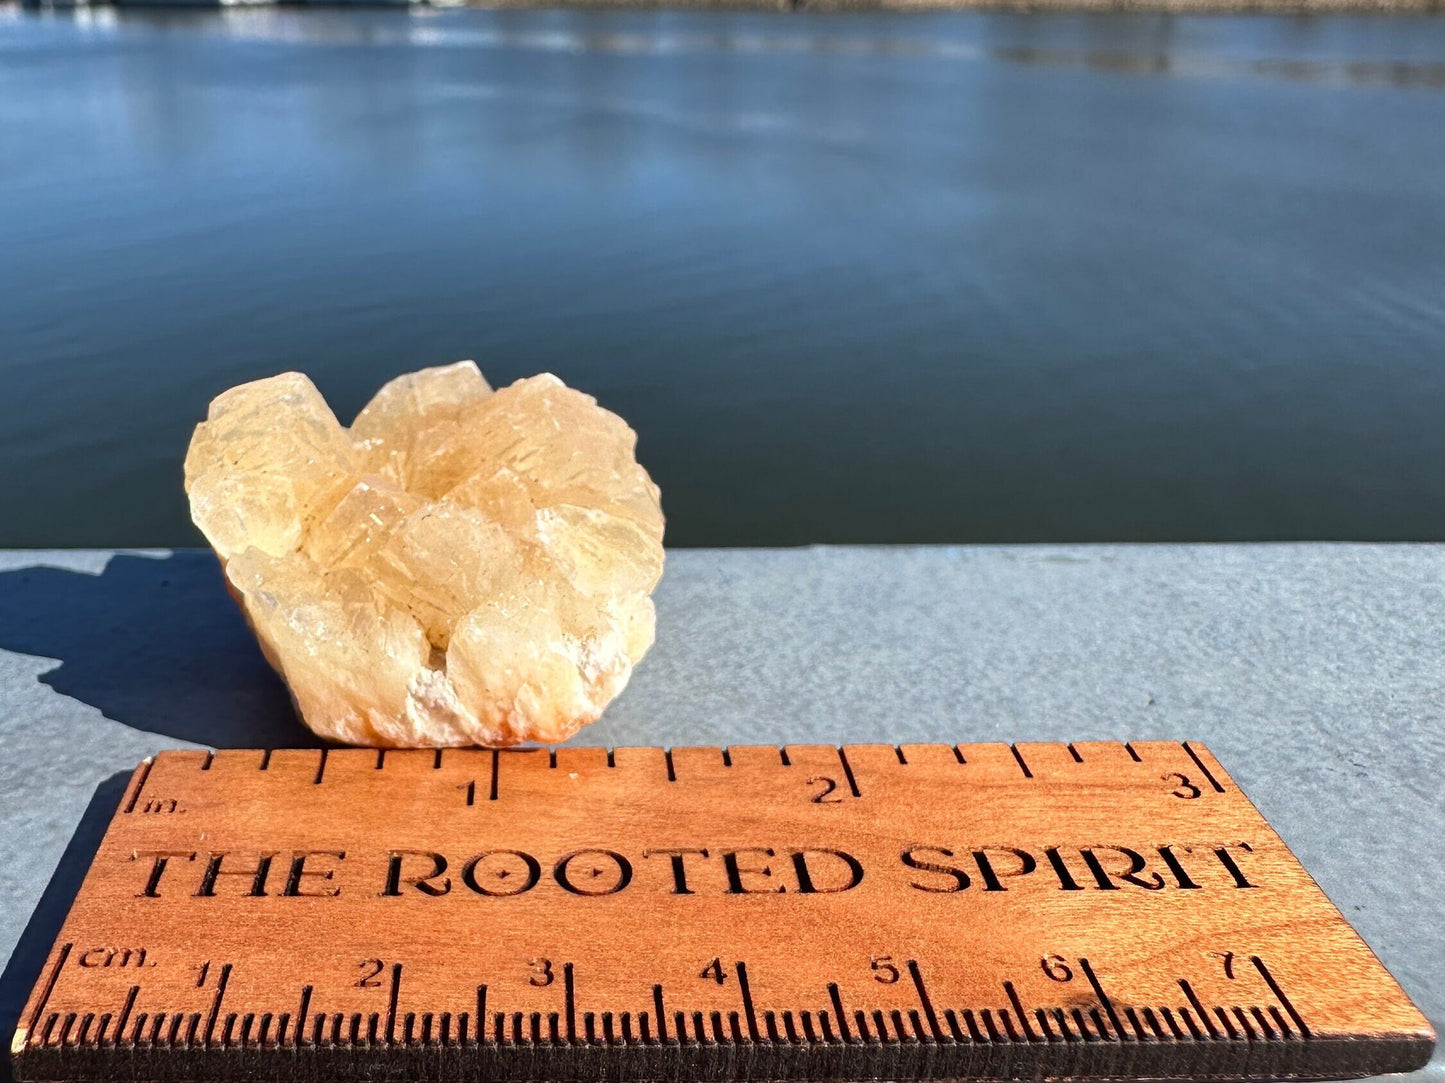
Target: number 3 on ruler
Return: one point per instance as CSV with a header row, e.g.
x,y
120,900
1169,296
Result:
x,y
1184,787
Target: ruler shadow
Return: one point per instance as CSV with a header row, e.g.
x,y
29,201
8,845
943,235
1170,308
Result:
x,y
31,950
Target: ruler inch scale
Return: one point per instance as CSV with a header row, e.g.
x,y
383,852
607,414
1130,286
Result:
x,y
1092,911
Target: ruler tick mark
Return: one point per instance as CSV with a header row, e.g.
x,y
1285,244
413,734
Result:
x,y
1245,1024
1223,1017
1174,1028
955,1031
747,995
1133,1017
1287,1032
320,768
1018,756
60,958
393,997
215,1011
1103,998
1042,1019
301,1016
496,769
125,1011
1101,1028
1194,1001
1013,997
142,773
661,1015
825,1023
1213,782
1063,1023
848,772
1155,1025
917,976
838,1012
571,1001
1279,995
1264,1025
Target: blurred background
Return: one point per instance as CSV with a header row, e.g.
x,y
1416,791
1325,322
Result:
x,y
872,277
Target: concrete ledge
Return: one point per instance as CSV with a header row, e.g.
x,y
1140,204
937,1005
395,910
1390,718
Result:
x,y
1315,672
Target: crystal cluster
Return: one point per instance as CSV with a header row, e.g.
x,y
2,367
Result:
x,y
460,567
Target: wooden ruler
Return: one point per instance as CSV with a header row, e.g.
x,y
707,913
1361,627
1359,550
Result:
x,y
1094,910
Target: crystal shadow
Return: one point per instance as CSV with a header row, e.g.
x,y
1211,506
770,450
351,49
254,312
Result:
x,y
154,643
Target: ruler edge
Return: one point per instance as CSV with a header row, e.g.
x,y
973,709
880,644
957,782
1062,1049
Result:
x,y
50,969
1423,1039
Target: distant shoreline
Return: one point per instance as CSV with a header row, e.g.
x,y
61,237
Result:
x,y
1166,7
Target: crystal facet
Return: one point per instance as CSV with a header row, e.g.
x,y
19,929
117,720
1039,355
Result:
x,y
459,567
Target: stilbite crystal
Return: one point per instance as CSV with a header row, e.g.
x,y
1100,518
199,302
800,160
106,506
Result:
x,y
459,567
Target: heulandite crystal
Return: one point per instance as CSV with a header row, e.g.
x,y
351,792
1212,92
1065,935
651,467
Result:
x,y
461,566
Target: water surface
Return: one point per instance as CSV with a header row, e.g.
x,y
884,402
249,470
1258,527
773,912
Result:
x,y
853,278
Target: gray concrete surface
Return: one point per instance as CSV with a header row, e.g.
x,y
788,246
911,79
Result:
x,y
1315,672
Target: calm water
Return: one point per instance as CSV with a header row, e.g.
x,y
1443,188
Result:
x,y
853,278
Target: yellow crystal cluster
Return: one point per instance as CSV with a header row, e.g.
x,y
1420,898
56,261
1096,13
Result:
x,y
460,567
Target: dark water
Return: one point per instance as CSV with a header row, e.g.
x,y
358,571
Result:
x,y
853,278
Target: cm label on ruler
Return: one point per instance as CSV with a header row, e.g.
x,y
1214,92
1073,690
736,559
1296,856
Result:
x,y
869,912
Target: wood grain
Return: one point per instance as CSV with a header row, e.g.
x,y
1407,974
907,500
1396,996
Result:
x,y
1090,911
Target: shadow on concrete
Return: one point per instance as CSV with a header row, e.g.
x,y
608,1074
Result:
x,y
35,942
154,643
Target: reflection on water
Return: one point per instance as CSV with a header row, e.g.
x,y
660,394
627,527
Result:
x,y
862,277
1355,73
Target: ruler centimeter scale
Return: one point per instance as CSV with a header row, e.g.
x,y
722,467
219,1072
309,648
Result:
x,y
1094,910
